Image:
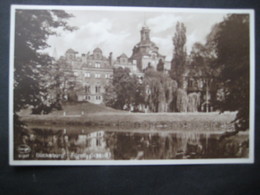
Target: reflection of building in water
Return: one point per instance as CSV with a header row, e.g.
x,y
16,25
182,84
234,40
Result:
x,y
92,146
189,145
96,140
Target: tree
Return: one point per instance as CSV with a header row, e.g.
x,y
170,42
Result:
x,y
64,84
179,55
160,91
202,72
32,29
181,100
160,66
110,95
153,90
122,90
232,49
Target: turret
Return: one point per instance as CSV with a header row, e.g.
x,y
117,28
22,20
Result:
x,y
145,34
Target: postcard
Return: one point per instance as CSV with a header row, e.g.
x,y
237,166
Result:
x,y
94,85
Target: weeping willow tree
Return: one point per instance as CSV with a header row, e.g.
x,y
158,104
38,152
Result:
x,y
193,102
160,91
153,93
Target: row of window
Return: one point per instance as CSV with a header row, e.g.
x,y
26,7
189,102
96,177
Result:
x,y
97,89
98,97
97,64
96,75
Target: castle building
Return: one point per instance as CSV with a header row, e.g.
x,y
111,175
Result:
x,y
146,52
92,71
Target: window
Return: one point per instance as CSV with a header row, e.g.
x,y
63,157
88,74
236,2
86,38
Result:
x,y
88,97
98,89
98,142
97,65
87,89
87,74
97,75
98,97
106,76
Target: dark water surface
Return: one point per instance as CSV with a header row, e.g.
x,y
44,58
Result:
x,y
49,144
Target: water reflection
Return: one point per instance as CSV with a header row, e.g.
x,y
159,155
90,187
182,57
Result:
x,y
49,144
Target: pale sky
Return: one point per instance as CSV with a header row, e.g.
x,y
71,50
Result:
x,y
119,31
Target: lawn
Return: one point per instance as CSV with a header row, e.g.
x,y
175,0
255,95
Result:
x,y
97,116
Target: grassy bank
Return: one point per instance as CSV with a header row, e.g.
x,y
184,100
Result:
x,y
126,120
93,116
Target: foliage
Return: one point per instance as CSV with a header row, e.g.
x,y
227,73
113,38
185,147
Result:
x,y
153,90
123,91
64,85
193,102
179,55
110,95
202,61
181,100
232,49
157,91
160,66
32,29
160,91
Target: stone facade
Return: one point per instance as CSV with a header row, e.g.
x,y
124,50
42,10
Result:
x,y
92,73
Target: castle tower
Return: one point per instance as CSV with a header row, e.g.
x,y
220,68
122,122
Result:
x,y
146,52
145,34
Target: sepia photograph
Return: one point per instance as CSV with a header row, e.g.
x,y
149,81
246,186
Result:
x,y
92,85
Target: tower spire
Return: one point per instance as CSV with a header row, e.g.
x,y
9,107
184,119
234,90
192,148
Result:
x,y
144,25
145,32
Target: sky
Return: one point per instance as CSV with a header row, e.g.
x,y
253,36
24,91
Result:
x,y
118,31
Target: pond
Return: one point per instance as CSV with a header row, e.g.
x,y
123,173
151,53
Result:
x,y
80,144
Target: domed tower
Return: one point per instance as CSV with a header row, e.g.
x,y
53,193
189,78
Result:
x,y
146,52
